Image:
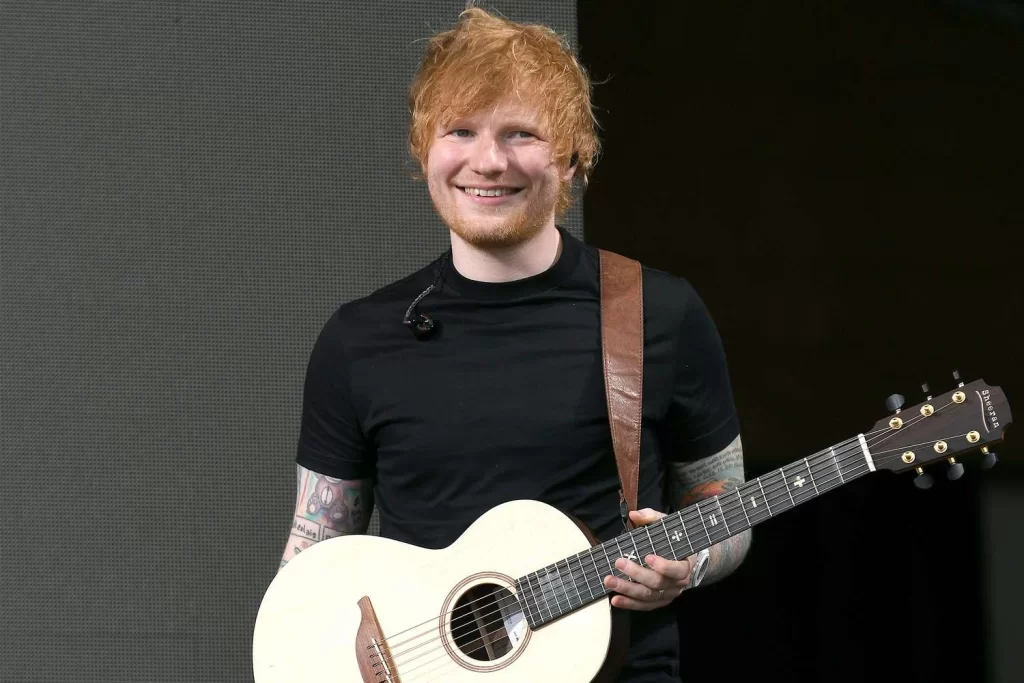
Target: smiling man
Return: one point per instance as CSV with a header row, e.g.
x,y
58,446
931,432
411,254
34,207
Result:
x,y
504,398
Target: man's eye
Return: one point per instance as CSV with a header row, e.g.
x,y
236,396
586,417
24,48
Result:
x,y
523,134
460,133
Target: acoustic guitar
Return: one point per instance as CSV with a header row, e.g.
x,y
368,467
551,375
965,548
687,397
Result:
x,y
520,595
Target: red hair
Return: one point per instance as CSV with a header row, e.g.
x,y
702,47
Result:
x,y
484,59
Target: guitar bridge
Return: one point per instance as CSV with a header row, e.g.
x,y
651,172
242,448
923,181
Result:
x,y
383,663
371,651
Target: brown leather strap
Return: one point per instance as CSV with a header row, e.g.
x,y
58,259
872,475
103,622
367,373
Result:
x,y
622,343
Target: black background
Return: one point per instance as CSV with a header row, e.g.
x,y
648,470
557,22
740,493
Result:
x,y
840,181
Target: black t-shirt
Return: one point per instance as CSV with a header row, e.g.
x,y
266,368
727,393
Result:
x,y
508,402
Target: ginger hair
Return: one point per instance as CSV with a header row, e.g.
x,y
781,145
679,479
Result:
x,y
483,60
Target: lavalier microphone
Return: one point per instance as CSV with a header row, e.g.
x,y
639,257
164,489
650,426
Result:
x,y
422,325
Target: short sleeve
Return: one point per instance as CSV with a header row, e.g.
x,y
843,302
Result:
x,y
702,418
331,440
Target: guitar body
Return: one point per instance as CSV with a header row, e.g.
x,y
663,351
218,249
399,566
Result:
x,y
310,619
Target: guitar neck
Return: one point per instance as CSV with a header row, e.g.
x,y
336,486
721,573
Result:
x,y
578,580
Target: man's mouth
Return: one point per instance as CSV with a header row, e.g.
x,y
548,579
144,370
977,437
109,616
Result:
x,y
493,192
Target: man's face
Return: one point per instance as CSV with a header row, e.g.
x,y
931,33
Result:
x,y
492,178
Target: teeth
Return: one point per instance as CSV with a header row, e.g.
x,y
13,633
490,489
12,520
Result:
x,y
488,193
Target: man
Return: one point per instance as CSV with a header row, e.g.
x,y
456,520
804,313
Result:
x,y
505,398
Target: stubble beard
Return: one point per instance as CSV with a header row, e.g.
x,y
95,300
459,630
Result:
x,y
526,221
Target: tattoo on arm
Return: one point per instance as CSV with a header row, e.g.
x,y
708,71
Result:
x,y
326,507
714,475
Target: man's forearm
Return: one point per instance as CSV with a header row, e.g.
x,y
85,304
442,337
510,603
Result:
x,y
327,507
715,475
726,556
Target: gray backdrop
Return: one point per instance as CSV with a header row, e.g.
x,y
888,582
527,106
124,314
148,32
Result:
x,y
188,190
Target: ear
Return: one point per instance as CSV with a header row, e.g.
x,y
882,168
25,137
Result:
x,y
568,174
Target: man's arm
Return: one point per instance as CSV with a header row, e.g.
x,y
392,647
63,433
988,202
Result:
x,y
707,477
326,507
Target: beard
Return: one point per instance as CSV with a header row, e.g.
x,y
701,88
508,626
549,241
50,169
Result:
x,y
495,227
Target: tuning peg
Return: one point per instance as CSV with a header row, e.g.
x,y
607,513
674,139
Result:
x,y
990,459
923,480
894,403
955,471
956,376
926,391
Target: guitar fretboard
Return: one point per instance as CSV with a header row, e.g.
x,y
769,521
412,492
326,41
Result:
x,y
575,581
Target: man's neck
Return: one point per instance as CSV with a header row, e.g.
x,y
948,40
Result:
x,y
524,260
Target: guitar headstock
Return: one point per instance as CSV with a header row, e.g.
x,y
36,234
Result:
x,y
966,419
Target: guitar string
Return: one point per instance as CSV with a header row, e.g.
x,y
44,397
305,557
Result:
x,y
407,671
443,655
691,518
588,578
853,449
586,575
849,452
868,435
447,660
655,547
693,515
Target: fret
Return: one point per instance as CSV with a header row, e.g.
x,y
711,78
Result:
x,y
739,496
668,538
614,570
689,543
750,492
782,476
724,520
654,549
574,586
525,601
700,515
810,475
795,482
554,591
539,588
597,572
637,556
835,463
764,498
586,579
827,463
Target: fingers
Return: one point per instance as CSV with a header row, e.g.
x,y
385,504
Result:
x,y
649,588
653,586
645,516
662,573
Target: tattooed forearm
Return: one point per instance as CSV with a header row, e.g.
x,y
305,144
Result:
x,y
713,476
726,557
326,507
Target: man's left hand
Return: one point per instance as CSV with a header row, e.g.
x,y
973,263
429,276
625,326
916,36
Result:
x,y
653,586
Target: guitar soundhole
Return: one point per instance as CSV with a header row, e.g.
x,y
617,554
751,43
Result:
x,y
487,622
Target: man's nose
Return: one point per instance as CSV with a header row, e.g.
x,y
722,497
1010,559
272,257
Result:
x,y
489,156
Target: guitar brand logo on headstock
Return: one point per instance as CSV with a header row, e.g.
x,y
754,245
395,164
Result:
x,y
987,409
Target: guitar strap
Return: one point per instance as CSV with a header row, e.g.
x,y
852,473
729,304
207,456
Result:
x,y
622,345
